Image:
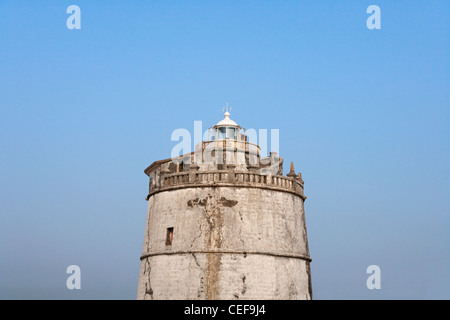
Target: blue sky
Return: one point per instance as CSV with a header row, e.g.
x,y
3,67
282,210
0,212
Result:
x,y
363,114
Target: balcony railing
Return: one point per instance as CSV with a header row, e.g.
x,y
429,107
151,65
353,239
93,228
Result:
x,y
231,144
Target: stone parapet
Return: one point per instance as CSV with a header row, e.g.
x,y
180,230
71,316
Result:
x,y
226,178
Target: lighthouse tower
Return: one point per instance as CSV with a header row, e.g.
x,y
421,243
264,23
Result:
x,y
224,223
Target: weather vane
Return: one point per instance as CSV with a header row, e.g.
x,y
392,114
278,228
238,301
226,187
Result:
x,y
227,109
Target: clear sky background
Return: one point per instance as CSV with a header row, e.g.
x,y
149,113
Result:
x,y
364,115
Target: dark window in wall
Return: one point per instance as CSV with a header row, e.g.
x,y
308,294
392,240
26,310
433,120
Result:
x,y
180,167
169,236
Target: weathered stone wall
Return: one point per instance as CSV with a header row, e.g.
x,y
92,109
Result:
x,y
228,243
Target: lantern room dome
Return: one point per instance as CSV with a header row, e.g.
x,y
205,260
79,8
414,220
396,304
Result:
x,y
226,121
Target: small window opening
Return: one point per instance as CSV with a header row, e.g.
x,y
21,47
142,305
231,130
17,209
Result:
x,y
169,236
180,167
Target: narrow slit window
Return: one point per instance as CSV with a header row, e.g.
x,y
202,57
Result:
x,y
169,236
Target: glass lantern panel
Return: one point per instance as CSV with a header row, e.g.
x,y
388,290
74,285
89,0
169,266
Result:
x,y
231,133
221,133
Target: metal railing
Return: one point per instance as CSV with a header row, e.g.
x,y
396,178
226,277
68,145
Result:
x,y
231,144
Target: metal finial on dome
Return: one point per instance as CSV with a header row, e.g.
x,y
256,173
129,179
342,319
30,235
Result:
x,y
227,121
227,110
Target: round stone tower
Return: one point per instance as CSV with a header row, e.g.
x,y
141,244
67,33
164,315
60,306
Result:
x,y
224,223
